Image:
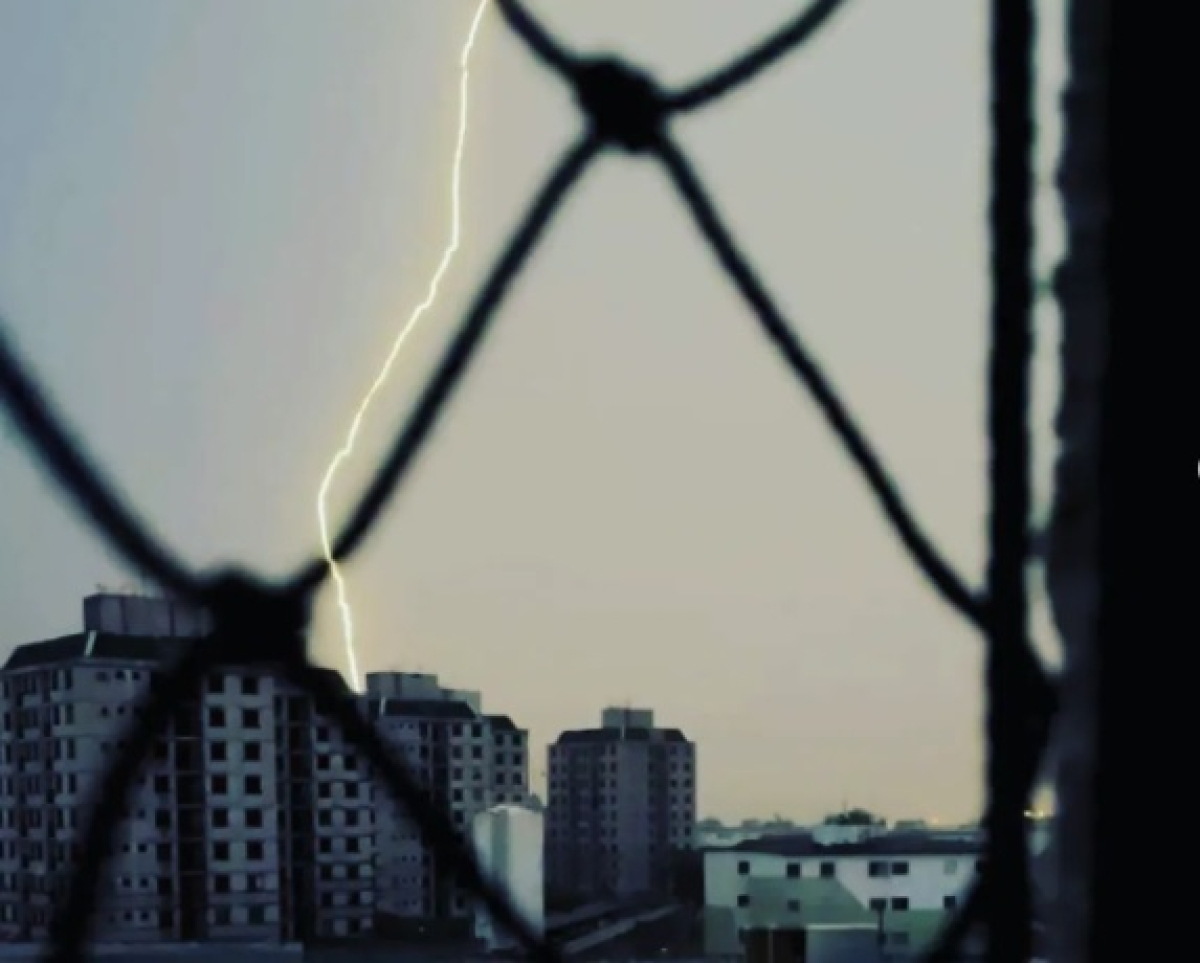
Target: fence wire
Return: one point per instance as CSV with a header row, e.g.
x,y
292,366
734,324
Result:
x,y
263,623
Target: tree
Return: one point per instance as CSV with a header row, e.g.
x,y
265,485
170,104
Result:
x,y
854,817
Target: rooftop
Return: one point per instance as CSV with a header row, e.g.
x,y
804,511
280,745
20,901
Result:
x,y
635,734
885,844
107,646
420,708
96,645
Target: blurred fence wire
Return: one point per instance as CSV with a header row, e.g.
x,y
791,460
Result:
x,y
263,622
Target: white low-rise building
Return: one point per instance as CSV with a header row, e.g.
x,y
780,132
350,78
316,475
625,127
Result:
x,y
904,883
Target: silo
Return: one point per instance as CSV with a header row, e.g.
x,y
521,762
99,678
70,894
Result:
x,y
508,840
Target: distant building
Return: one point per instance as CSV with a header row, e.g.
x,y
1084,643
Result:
x,y
468,761
622,803
509,840
904,883
711,834
252,821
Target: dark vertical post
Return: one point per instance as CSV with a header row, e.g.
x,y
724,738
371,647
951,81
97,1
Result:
x,y
1012,107
1119,752
1072,564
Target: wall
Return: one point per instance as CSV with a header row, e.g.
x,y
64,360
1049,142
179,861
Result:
x,y
509,842
768,896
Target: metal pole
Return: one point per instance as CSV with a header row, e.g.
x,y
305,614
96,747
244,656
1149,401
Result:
x,y
1072,564
1008,905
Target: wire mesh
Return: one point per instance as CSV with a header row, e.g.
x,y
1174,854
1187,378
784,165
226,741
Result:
x,y
262,622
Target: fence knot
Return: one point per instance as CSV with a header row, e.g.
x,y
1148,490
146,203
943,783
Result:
x,y
625,105
256,623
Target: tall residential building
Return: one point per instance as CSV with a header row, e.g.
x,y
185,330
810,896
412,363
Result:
x,y
468,761
251,821
622,803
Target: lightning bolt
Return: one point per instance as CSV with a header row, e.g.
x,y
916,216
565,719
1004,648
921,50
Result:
x,y
347,449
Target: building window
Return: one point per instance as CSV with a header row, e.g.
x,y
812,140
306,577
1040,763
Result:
x,y
878,905
220,818
793,870
875,868
251,719
254,785
828,870
899,904
220,852
950,902
254,817
744,868
249,685
899,869
216,717
216,752
254,850
743,899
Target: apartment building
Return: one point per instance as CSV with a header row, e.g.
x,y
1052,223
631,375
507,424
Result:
x,y
622,803
251,821
904,883
468,760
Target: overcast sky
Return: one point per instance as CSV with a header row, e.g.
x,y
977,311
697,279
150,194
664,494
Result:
x,y
214,217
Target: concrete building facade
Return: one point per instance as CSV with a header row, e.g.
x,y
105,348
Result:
x,y
251,820
509,841
905,883
622,804
467,760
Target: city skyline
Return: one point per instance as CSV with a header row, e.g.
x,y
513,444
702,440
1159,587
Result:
x,y
243,213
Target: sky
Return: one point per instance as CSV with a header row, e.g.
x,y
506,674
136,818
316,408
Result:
x,y
215,217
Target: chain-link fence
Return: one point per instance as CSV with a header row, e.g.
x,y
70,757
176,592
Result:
x,y
263,622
